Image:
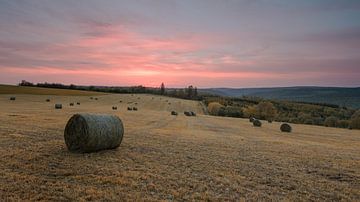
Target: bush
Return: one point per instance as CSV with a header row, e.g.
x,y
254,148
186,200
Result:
x,y
355,120
266,110
343,124
214,108
331,121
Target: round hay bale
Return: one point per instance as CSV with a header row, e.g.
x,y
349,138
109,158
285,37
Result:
x,y
58,106
129,109
174,113
120,101
135,109
114,108
78,103
257,123
89,132
47,100
71,104
12,98
252,119
187,113
285,128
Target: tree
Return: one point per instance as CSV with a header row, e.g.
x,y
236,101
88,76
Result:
x,y
162,89
331,121
266,110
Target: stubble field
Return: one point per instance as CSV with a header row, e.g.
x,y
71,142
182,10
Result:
x,y
164,157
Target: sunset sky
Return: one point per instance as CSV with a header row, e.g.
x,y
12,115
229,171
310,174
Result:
x,y
208,43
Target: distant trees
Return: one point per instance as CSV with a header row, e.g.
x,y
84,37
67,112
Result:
x,y
25,83
331,121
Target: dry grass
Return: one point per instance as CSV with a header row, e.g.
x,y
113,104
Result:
x,y
12,90
164,157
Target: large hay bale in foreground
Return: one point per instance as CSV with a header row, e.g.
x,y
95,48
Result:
x,y
92,132
58,106
285,128
257,123
12,98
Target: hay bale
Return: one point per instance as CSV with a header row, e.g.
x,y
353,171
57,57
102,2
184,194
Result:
x,y
58,106
193,113
120,101
114,108
96,98
12,98
78,103
90,132
257,123
252,119
71,104
47,100
285,128
91,98
187,113
135,108
174,113
129,108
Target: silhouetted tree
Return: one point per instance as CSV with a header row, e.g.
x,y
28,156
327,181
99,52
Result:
x,y
162,89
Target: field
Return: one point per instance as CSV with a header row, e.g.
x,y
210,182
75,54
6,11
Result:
x,y
164,157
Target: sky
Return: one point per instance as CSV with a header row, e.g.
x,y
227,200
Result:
x,y
205,43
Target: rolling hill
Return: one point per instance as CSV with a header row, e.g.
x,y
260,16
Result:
x,y
349,97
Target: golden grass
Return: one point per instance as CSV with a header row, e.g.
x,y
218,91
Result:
x,y
8,89
164,157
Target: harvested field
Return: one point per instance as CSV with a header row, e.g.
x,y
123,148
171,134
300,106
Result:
x,y
164,157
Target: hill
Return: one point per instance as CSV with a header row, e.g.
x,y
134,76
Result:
x,y
8,89
349,97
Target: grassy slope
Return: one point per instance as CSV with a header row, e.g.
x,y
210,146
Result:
x,y
7,89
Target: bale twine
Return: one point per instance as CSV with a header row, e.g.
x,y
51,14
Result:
x,y
90,132
285,128
58,106
174,113
71,104
47,100
12,98
257,123
114,108
135,109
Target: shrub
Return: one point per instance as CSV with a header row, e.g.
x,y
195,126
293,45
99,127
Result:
x,y
265,110
343,124
355,120
331,121
214,108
